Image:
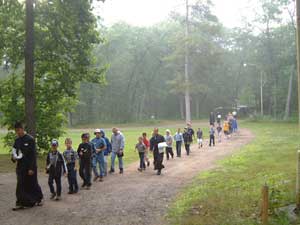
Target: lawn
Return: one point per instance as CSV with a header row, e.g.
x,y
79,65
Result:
x,y
131,134
231,194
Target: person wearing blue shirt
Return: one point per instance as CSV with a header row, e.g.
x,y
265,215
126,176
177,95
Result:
x,y
98,155
107,151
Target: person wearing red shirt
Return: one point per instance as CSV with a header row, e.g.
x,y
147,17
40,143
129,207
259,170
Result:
x,y
147,144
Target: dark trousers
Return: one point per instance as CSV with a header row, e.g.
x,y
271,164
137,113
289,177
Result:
x,y
178,148
142,160
158,160
72,177
169,151
85,172
57,180
187,148
28,191
212,140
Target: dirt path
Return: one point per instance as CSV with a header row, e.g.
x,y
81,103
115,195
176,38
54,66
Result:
x,y
128,199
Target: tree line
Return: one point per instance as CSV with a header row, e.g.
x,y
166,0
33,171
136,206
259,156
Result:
x,y
146,67
86,72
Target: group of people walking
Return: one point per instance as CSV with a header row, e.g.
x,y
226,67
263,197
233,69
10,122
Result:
x,y
92,155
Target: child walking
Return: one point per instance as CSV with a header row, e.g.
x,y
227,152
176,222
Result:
x,y
71,158
211,136
141,148
147,144
178,139
55,167
200,138
169,141
219,130
85,150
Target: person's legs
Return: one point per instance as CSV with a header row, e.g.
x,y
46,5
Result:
x,y
95,169
210,140
101,164
88,173
172,153
113,157
81,172
142,163
160,166
213,139
179,148
58,185
188,149
105,165
74,181
120,159
167,152
70,178
50,183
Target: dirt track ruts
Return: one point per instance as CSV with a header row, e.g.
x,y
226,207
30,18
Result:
x,y
131,199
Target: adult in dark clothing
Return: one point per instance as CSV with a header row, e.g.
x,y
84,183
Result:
x,y
188,139
85,150
158,154
212,119
28,191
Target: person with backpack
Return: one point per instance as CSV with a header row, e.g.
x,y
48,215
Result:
x,y
211,136
188,139
106,151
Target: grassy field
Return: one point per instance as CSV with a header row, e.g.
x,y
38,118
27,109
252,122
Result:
x,y
231,194
131,134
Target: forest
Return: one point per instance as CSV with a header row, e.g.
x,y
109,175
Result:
x,y
87,72
145,67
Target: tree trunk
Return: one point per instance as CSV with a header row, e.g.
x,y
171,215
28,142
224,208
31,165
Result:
x,y
181,101
289,96
29,70
197,108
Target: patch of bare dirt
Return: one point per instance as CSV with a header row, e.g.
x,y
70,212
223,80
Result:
x,y
131,199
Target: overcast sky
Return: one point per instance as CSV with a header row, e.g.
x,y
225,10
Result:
x,y
149,12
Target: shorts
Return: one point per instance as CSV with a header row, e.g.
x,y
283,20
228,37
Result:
x,y
199,140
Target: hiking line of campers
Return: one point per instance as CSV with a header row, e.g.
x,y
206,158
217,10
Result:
x,y
92,155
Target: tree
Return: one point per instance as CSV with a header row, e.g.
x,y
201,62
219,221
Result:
x,y
65,34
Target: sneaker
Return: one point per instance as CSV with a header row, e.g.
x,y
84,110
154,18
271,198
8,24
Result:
x,y
111,171
39,203
76,191
71,192
100,179
52,196
88,188
158,173
18,207
121,171
139,169
95,178
57,198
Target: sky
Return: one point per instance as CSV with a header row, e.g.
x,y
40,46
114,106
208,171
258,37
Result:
x,y
150,12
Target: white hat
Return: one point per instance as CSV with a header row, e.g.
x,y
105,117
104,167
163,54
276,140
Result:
x,y
97,131
168,131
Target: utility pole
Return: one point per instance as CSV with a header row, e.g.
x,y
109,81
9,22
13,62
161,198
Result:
x,y
298,55
29,70
187,88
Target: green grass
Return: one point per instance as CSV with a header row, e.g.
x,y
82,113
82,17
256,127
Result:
x,y
131,134
231,194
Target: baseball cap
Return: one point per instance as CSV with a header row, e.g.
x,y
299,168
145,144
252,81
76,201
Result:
x,y
97,131
54,142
